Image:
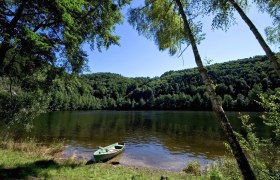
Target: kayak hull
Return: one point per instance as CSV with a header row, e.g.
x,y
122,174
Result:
x,y
108,152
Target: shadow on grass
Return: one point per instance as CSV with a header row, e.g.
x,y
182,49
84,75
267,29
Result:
x,y
31,169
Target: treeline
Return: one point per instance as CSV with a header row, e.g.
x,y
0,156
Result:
x,y
237,84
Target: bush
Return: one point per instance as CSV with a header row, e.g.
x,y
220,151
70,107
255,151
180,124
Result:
x,y
17,111
215,174
226,167
193,168
264,153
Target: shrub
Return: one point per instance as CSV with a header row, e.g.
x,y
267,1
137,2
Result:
x,y
18,111
264,153
193,168
215,174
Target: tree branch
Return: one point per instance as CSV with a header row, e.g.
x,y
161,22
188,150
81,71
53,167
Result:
x,y
183,51
17,16
43,25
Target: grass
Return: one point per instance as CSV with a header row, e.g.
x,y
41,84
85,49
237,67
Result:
x,y
31,146
31,160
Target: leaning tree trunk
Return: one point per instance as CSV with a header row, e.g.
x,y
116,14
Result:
x,y
240,157
271,56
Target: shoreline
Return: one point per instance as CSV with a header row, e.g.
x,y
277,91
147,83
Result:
x,y
29,165
29,160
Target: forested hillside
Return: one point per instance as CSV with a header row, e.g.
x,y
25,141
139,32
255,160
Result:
x,y
237,84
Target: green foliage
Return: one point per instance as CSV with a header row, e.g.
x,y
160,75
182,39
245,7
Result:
x,y
226,168
54,31
227,101
238,83
42,39
264,153
22,98
237,86
271,117
215,174
272,7
157,21
160,21
273,34
221,10
70,93
18,111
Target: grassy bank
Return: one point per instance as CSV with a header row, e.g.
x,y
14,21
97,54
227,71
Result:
x,y
16,164
31,160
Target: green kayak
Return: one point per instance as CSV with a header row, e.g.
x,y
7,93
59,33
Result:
x,y
108,152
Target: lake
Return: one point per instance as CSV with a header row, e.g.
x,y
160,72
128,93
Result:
x,y
154,139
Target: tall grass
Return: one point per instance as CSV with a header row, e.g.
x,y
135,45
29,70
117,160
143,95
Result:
x,y
32,146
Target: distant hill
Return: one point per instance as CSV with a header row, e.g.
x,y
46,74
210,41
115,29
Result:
x,y
237,84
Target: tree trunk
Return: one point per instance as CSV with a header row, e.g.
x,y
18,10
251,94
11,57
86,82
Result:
x,y
3,51
240,157
271,56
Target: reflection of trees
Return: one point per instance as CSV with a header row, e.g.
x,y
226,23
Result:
x,y
178,131
82,127
188,132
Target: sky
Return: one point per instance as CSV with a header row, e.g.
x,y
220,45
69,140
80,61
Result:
x,y
139,57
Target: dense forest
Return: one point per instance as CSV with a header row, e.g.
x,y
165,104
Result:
x,y
237,84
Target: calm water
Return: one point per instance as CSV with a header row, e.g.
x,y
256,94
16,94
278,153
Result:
x,y
159,139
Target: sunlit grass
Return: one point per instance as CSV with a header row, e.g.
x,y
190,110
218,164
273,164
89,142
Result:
x,y
23,165
30,159
33,147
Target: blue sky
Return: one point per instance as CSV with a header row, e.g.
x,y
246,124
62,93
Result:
x,y
140,57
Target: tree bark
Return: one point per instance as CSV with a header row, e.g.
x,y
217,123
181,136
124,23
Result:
x,y
271,56
240,157
3,51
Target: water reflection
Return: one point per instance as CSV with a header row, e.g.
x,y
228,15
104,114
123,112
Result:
x,y
161,139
